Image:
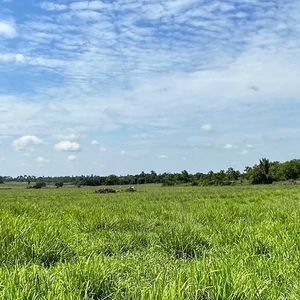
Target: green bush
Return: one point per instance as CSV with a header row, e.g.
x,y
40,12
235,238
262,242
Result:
x,y
59,184
39,185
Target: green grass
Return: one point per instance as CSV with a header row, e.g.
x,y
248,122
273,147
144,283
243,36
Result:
x,y
157,243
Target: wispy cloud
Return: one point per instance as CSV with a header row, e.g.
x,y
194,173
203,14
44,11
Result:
x,y
51,6
95,142
229,147
206,127
244,152
41,160
7,29
72,157
150,67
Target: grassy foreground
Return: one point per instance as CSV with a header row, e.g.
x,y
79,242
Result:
x,y
157,243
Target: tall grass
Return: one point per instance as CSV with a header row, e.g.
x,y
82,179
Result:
x,y
157,243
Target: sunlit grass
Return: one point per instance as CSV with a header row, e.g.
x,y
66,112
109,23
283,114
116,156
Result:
x,y
157,243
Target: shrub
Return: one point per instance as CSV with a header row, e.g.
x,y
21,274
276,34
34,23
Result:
x,y
59,184
39,185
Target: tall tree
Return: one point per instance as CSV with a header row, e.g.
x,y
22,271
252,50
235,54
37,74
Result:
x,y
264,166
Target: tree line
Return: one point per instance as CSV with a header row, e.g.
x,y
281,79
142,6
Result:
x,y
264,172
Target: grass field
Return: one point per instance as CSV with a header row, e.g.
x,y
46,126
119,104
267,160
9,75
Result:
x,y
157,243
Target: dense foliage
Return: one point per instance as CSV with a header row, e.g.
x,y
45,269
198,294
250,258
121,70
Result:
x,y
265,172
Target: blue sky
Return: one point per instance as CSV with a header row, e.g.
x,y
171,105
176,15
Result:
x,y
123,86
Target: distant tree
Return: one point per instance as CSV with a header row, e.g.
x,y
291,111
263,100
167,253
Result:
x,y
185,176
276,171
260,174
1,180
264,166
151,177
59,184
255,175
232,174
28,179
291,169
168,180
142,178
112,180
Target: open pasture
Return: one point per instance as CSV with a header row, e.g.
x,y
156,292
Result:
x,y
157,243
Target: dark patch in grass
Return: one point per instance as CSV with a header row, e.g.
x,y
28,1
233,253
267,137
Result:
x,y
262,249
107,251
61,254
42,247
191,251
106,191
96,294
184,243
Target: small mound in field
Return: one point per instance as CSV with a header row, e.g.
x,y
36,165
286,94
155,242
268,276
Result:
x,y
131,189
105,191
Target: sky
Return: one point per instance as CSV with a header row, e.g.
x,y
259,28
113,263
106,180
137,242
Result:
x,y
119,87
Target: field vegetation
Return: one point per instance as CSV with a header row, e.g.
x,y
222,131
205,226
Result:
x,y
264,172
235,242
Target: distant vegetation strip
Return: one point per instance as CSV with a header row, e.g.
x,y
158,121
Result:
x,y
265,172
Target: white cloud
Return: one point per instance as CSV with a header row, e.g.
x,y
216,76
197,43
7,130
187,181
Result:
x,y
41,159
7,30
26,141
182,93
162,156
206,127
122,152
87,5
67,146
50,6
19,58
95,142
10,57
229,146
72,157
244,152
